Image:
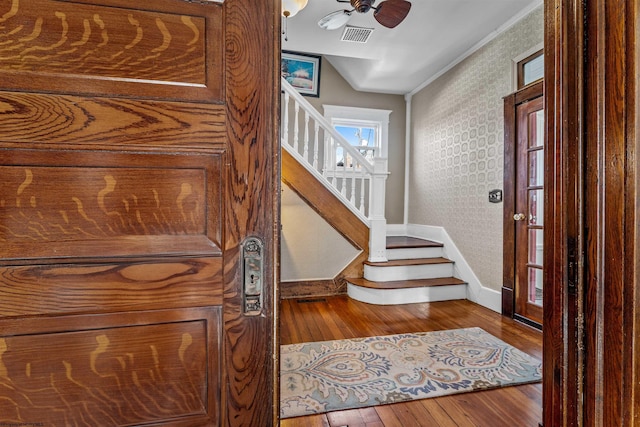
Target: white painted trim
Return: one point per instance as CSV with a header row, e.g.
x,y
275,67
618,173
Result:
x,y
377,118
476,292
406,296
396,229
407,156
504,27
407,272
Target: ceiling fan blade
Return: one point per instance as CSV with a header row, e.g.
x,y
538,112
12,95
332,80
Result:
x,y
392,12
335,20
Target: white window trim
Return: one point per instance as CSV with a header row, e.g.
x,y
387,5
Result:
x,y
371,117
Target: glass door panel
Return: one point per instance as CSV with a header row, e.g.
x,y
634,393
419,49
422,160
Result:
x,y
529,205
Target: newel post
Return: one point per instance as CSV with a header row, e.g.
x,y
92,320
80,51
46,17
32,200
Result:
x,y
377,195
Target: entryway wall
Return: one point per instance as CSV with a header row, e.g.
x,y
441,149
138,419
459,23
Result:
x,y
457,147
311,249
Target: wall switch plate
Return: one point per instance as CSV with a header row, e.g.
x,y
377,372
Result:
x,y
495,196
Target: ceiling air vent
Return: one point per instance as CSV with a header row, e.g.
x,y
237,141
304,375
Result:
x,y
356,34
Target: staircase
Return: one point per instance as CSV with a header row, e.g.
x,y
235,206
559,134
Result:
x,y
416,271
350,196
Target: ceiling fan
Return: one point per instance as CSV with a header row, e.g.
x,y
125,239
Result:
x,y
388,13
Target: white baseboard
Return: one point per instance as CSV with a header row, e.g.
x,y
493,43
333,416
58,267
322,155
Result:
x,y
476,292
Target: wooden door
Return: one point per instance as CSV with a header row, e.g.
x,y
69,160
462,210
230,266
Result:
x,y
524,205
138,152
529,210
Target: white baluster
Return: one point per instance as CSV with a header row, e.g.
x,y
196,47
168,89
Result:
x,y
332,167
326,145
305,152
285,127
363,178
343,182
353,184
315,145
296,128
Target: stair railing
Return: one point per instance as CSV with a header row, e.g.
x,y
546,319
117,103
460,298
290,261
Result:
x,y
359,182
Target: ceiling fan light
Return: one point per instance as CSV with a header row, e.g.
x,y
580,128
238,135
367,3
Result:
x,y
292,7
334,20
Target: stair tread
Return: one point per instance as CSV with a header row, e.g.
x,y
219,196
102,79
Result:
x,y
406,284
402,262
401,242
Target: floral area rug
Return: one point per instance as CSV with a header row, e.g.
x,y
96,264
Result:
x,y
344,374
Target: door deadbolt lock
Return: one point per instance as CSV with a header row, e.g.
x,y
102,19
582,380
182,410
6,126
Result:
x,y
252,275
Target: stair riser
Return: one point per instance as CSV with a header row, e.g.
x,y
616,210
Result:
x,y
414,253
407,272
407,296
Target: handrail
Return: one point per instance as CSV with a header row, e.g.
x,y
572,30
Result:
x,y
324,124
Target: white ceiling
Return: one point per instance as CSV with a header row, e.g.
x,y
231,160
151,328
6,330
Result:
x,y
435,34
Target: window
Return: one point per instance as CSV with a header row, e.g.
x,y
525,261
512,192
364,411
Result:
x,y
364,128
362,137
528,67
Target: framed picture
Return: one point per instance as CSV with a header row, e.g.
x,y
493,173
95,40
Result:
x,y
302,71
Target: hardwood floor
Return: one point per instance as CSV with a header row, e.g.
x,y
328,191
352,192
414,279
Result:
x,y
340,317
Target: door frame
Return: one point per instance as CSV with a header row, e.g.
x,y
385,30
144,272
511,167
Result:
x,y
511,103
592,271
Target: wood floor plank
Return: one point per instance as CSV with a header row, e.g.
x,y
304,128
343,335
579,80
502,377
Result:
x,y
415,414
364,417
340,317
442,419
319,420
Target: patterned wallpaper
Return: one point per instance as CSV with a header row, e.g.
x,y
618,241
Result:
x,y
457,148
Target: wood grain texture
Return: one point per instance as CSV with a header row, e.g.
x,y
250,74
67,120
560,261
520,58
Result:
x,y
128,124
611,215
407,284
340,317
312,288
140,198
52,208
168,52
252,200
564,102
509,206
42,204
591,359
95,288
113,156
117,374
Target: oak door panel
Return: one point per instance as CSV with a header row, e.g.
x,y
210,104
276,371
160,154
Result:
x,y
104,47
117,370
105,287
54,120
55,204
